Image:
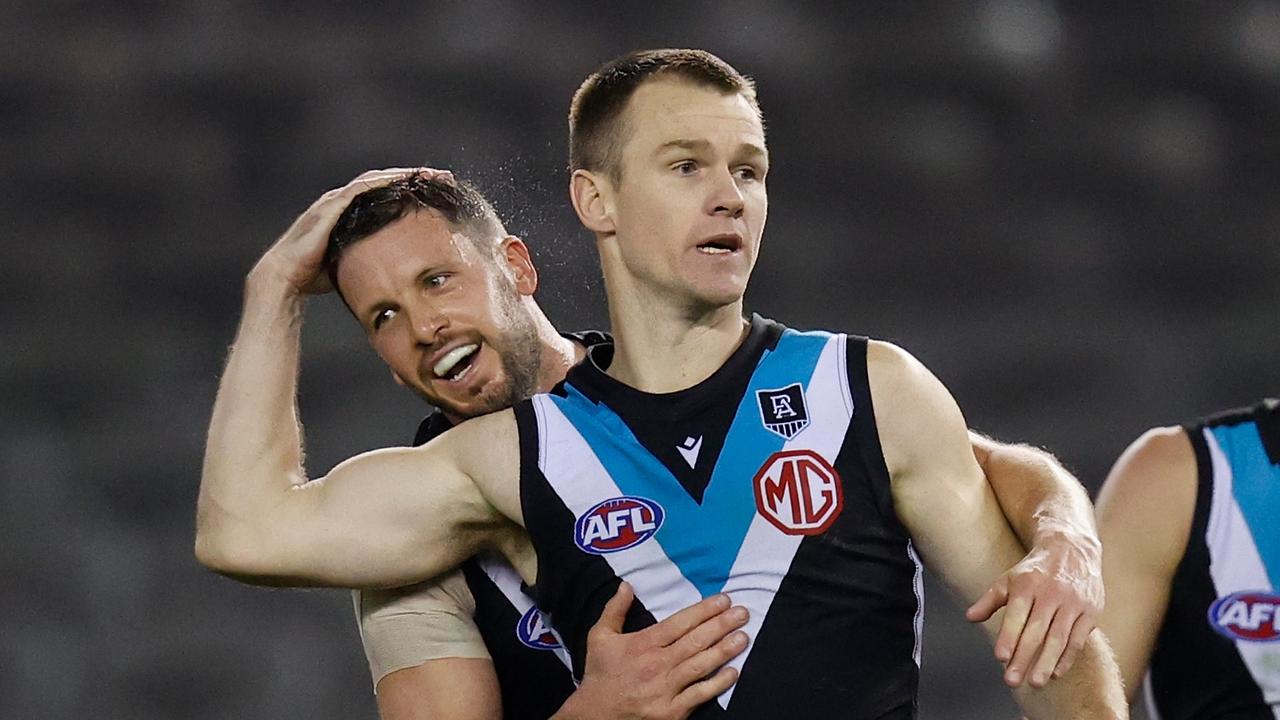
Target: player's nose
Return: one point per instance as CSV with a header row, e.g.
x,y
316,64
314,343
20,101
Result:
x,y
725,196
426,323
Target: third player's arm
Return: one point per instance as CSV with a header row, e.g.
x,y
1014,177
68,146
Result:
x,y
426,654
1145,510
1054,595
941,497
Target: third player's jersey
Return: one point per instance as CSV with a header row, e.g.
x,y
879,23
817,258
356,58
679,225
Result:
x,y
531,665
765,481
1218,651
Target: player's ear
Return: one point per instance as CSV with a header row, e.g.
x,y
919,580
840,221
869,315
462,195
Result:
x,y
516,255
592,200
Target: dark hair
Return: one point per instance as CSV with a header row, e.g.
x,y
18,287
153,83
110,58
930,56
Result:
x,y
370,211
595,115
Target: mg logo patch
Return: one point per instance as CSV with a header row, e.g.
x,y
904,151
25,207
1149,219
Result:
x,y
617,524
782,411
799,492
535,632
1251,615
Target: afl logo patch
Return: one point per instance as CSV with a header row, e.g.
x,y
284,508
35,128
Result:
x,y
617,524
535,632
799,492
782,410
1251,616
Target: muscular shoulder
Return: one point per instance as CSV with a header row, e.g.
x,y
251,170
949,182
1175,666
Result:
x,y
487,450
1148,499
1159,462
914,411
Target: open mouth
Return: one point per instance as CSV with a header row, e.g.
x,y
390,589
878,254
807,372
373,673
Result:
x,y
456,363
721,244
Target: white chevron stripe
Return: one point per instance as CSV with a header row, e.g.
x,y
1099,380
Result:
x,y
1235,566
581,481
767,552
508,581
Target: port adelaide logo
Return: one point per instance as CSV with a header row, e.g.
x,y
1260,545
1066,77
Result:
x,y
783,411
533,631
1253,616
617,524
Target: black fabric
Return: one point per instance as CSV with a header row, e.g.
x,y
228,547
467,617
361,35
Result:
x,y
880,678
838,640
663,422
1195,673
1268,415
572,587
534,683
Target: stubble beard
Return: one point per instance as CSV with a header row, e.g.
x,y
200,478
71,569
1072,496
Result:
x,y
520,353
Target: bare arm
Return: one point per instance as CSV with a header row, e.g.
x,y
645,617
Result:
x,y
384,518
941,496
1145,510
1054,595
442,689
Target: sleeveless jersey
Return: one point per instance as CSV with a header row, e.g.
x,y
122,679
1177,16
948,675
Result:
x,y
765,481
529,660
1217,654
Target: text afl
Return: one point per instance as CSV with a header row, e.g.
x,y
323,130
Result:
x,y
1251,616
617,524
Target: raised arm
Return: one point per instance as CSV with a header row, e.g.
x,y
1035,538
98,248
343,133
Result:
x,y
955,521
384,518
1145,511
1054,595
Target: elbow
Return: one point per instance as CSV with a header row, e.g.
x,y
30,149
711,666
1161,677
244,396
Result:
x,y
228,553
217,552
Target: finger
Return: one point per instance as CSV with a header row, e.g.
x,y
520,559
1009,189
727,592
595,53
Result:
x,y
1029,643
435,174
1055,642
705,690
1079,638
1015,617
706,635
705,662
334,201
676,626
615,611
383,173
992,600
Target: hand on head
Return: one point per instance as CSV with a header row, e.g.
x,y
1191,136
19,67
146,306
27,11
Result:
x,y
297,257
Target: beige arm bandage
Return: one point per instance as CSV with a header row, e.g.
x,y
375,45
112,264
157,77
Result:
x,y
405,627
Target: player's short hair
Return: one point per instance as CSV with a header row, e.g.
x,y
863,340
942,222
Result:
x,y
596,113
461,204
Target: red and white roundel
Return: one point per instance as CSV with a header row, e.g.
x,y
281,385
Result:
x,y
799,492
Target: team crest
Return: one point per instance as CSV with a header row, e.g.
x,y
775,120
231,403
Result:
x,y
1253,616
534,631
799,492
617,524
783,410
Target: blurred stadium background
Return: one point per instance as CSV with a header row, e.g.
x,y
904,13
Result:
x,y
1068,210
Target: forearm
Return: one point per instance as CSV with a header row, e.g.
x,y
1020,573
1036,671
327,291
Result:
x,y
1089,690
254,450
1045,504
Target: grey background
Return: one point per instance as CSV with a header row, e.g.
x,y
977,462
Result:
x,y
1068,211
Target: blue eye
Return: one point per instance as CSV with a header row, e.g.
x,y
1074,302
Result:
x,y
688,167
434,281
